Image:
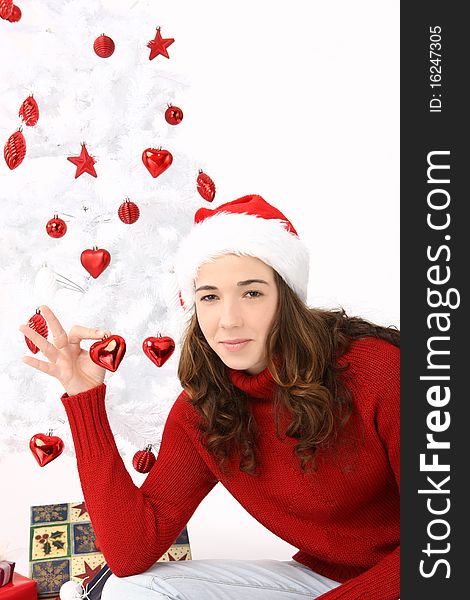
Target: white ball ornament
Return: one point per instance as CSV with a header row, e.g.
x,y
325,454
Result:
x,y
45,285
70,590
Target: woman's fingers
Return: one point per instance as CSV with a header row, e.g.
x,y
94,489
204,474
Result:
x,y
40,365
58,334
46,347
79,333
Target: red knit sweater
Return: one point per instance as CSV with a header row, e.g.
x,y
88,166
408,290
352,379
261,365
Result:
x,y
344,518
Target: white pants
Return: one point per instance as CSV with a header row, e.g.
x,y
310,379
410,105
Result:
x,y
220,579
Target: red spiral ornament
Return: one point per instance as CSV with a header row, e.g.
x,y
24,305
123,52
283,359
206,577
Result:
x,y
15,14
205,186
6,6
128,212
103,46
38,323
143,460
29,111
15,150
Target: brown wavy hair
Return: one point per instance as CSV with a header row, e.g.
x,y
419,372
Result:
x,y
310,391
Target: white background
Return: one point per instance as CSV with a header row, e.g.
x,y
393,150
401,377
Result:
x,y
298,102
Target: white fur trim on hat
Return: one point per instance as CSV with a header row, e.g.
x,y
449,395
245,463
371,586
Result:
x,y
242,234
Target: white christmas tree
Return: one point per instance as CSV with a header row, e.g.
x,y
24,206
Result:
x,y
116,106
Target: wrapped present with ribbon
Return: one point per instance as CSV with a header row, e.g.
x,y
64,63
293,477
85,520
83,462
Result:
x,y
179,550
7,569
19,588
62,547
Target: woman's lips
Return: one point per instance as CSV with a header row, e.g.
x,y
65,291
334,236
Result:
x,y
234,347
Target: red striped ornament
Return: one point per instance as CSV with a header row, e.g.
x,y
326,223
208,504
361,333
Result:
x,y
128,212
29,111
144,460
38,323
103,46
14,150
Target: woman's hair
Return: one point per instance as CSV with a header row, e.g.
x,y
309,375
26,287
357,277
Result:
x,y
310,389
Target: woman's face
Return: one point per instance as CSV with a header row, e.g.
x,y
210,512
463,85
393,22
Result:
x,y
236,301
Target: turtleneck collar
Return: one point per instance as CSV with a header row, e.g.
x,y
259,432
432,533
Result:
x,y
256,386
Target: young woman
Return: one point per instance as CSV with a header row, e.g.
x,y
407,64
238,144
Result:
x,y
294,410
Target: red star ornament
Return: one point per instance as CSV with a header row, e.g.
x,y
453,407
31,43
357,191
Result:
x,y
159,45
84,163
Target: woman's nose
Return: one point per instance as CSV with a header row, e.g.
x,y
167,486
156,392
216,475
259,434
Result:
x,y
230,315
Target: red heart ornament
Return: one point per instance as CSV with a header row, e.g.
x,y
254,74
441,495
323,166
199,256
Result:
x,y
156,161
95,261
45,448
109,352
158,349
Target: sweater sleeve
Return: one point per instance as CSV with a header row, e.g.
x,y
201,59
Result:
x,y
382,581
135,526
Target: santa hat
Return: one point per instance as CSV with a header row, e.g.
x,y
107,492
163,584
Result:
x,y
248,226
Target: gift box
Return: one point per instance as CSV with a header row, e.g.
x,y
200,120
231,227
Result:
x,y
7,569
62,547
180,550
20,588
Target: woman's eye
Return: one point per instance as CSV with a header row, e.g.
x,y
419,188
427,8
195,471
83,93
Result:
x,y
210,297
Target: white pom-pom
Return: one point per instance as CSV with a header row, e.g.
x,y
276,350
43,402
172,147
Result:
x,y
70,590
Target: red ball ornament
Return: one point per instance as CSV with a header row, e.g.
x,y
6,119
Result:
x,y
95,261
205,186
56,227
103,46
15,149
173,115
38,323
109,352
6,7
144,460
15,14
45,448
158,349
128,212
156,161
29,111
